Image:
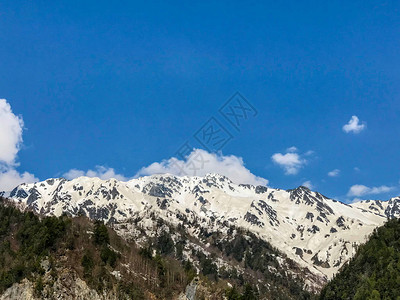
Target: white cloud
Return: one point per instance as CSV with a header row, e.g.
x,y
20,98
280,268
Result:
x,y
101,172
200,162
362,190
11,128
10,178
308,184
355,200
334,173
354,125
291,162
291,149
73,173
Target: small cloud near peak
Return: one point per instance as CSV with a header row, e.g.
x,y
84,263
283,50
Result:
x,y
291,161
334,173
354,125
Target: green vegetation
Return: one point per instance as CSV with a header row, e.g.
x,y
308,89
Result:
x,y
248,293
100,234
87,264
102,240
90,250
374,272
24,241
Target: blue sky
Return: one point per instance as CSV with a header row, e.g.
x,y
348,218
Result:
x,y
124,84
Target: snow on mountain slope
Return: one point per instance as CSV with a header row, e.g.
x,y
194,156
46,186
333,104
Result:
x,y
390,208
317,232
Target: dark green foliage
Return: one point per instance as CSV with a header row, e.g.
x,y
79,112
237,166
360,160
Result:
x,y
179,250
87,264
237,247
248,293
37,236
189,270
374,272
165,243
208,267
102,238
161,269
34,237
108,256
70,243
146,252
100,233
233,294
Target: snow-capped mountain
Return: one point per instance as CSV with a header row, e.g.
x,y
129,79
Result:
x,y
390,208
317,232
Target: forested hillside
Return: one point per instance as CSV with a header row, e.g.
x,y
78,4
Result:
x,y
53,254
374,273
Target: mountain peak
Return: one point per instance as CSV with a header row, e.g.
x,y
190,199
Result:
x,y
300,189
304,188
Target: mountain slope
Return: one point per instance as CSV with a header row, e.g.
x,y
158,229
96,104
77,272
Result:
x,y
319,233
74,258
374,272
390,208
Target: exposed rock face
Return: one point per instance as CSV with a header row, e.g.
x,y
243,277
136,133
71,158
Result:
x,y
197,290
19,291
317,232
190,292
68,286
